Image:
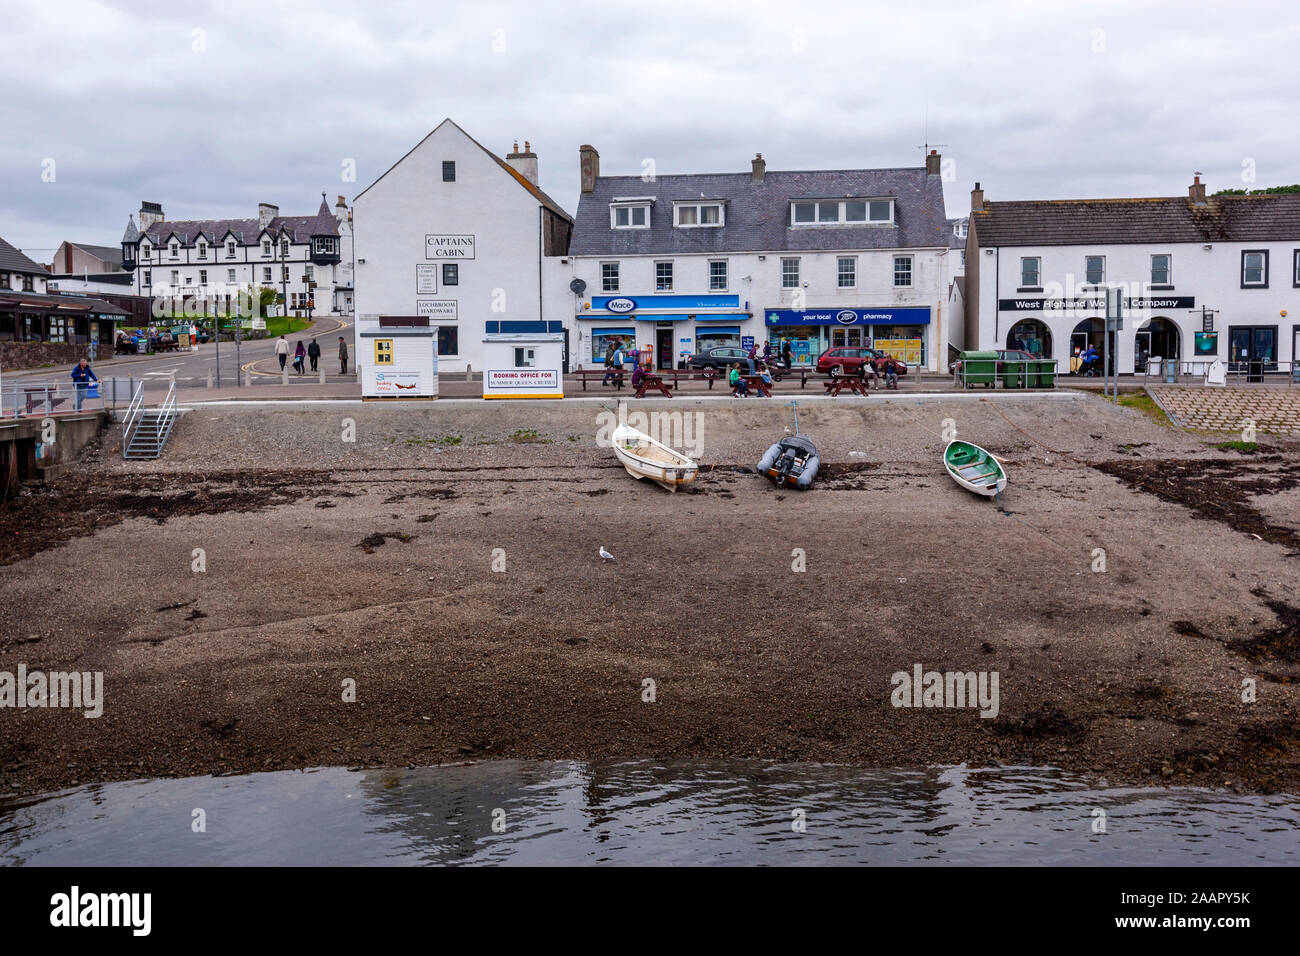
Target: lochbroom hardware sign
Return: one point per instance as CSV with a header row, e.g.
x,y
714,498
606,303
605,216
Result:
x,y
449,247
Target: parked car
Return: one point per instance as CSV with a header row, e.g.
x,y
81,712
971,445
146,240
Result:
x,y
848,360
1004,355
719,358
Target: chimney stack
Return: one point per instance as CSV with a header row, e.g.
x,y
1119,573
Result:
x,y
150,213
977,199
525,163
760,167
1196,191
932,163
589,166
265,213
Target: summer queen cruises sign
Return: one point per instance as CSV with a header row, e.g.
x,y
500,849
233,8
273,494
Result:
x,y
1098,303
449,247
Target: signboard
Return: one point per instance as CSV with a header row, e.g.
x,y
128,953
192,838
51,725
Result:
x,y
426,279
883,316
621,304
395,383
443,309
522,383
448,247
1096,303
1207,343
906,350
1217,373
1207,321
746,342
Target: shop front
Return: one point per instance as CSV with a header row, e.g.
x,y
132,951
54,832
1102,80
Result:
x,y
666,328
902,332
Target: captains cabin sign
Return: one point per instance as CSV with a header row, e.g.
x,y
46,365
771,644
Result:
x,y
448,247
1097,303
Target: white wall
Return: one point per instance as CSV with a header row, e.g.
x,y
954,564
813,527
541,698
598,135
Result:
x,y
1212,277
393,216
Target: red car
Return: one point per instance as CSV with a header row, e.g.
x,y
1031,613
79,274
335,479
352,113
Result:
x,y
849,359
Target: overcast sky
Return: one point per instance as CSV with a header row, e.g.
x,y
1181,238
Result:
x,y
209,108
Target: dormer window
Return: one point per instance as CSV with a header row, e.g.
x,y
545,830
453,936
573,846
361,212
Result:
x,y
266,248
842,212
629,214
203,250
695,215
175,250
144,252
230,248
325,246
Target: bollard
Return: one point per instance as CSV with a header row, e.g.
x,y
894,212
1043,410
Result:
x,y
469,372
209,378
322,376
284,375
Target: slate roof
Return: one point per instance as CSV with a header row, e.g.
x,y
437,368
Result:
x,y
132,234
299,228
12,260
109,254
757,214
1073,222
10,301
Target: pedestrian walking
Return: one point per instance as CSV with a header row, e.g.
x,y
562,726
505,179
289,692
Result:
x,y
343,356
82,376
313,353
300,358
282,350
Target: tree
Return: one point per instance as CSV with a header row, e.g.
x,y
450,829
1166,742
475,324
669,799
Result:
x,y
1265,191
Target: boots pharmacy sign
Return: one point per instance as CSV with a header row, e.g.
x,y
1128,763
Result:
x,y
448,247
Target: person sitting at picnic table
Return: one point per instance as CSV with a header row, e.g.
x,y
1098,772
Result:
x,y
82,376
891,372
739,386
638,375
870,375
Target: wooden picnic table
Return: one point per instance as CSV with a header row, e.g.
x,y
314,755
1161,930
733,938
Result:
x,y
38,397
854,383
756,384
653,380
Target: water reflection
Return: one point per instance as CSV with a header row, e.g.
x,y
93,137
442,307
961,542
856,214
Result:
x,y
647,812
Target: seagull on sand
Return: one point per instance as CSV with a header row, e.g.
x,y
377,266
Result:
x,y
605,555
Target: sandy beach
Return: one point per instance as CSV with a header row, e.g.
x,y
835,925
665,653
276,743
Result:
x,y
327,561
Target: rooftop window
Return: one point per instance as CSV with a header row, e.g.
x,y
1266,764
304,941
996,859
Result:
x,y
841,212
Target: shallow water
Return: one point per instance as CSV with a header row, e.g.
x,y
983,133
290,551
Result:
x,y
647,812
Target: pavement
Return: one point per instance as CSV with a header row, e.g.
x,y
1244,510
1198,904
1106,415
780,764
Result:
x,y
1272,408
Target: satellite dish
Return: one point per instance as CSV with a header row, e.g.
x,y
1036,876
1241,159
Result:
x,y
577,287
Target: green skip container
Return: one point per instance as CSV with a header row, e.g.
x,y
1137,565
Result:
x,y
979,368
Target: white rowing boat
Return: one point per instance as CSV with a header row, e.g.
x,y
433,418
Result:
x,y
643,457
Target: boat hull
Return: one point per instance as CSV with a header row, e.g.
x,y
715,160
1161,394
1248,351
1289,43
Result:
x,y
644,458
974,468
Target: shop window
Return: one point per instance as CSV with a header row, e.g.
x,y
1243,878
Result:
x,y
383,351
609,277
1161,270
629,217
718,275
1094,269
846,272
789,273
1030,271
1254,268
448,343
525,357
451,273
663,277
902,271
602,339
448,170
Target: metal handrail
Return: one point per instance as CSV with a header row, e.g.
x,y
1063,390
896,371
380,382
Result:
x,y
132,416
168,411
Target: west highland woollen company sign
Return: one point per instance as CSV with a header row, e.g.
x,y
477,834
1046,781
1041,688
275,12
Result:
x,y
448,247
1132,303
